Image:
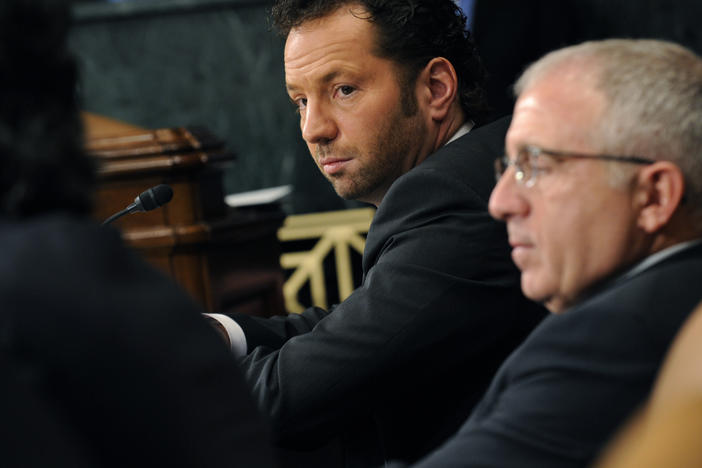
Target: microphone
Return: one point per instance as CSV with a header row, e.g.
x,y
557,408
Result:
x,y
145,201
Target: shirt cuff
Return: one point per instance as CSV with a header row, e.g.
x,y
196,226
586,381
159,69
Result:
x,y
237,339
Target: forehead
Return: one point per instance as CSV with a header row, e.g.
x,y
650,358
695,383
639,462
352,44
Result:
x,y
559,112
342,38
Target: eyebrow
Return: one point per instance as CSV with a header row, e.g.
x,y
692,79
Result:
x,y
325,79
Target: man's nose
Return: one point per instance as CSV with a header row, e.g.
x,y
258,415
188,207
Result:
x,y
506,199
318,125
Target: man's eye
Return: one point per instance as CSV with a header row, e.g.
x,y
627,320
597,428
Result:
x,y
346,90
300,104
542,163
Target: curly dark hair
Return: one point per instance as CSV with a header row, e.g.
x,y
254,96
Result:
x,y
410,33
42,164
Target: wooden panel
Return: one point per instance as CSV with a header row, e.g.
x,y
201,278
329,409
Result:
x,y
227,260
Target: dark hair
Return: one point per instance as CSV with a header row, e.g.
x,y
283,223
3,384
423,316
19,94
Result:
x,y
42,164
411,33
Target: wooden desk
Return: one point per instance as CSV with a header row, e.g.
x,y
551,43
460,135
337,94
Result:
x,y
227,260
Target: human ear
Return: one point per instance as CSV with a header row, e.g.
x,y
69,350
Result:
x,y
440,86
661,187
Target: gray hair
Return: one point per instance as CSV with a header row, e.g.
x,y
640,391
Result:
x,y
653,93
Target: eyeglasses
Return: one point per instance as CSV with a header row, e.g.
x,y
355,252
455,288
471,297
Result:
x,y
528,164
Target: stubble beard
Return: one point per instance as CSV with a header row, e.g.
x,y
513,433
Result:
x,y
386,158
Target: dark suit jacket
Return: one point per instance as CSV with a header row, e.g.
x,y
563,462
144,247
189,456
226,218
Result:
x,y
122,361
562,394
395,368
31,433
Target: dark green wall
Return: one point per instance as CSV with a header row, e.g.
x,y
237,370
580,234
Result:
x,y
168,63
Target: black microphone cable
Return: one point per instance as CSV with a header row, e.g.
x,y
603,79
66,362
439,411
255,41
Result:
x,y
145,201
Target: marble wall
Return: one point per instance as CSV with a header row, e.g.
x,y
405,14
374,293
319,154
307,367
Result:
x,y
215,63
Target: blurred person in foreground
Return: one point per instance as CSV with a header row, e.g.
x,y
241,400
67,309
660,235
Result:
x,y
389,93
105,362
666,432
601,193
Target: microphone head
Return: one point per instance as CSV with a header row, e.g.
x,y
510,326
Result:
x,y
154,197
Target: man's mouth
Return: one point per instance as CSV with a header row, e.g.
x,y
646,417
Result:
x,y
520,249
331,166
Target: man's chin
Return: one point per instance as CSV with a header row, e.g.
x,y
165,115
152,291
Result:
x,y
346,194
363,190
536,294
555,305
347,191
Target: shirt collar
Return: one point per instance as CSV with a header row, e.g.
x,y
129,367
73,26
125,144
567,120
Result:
x,y
641,266
658,257
465,128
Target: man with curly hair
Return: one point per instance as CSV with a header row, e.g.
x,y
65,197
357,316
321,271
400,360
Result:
x,y
389,94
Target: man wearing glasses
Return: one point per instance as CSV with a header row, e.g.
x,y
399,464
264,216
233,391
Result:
x,y
601,193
